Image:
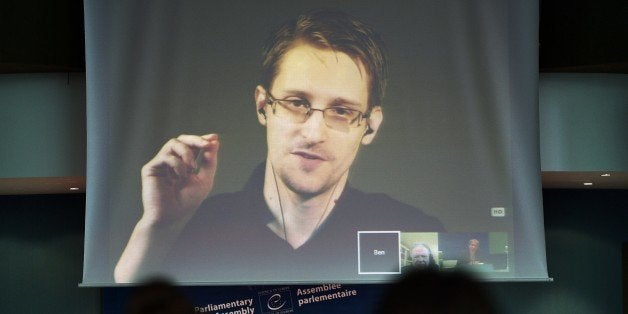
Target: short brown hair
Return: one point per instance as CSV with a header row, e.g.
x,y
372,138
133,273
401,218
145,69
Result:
x,y
335,30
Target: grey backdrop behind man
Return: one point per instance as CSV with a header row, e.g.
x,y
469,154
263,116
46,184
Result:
x,y
459,75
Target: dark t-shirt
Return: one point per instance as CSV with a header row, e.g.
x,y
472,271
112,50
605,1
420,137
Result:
x,y
228,238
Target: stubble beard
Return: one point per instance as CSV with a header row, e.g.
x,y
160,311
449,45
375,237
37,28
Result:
x,y
306,184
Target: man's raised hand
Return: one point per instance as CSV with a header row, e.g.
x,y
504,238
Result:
x,y
179,178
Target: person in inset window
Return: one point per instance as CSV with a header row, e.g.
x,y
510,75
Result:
x,y
422,258
472,255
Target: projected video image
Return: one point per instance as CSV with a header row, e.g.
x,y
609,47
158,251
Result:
x,y
302,145
486,253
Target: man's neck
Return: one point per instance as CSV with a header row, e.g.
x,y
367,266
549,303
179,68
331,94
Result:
x,y
297,217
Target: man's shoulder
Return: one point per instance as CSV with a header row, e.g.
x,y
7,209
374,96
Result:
x,y
385,210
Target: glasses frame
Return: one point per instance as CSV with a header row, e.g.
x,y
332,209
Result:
x,y
271,100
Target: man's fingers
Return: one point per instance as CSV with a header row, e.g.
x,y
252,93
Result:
x,y
183,151
210,137
188,146
207,158
166,166
180,169
198,141
186,154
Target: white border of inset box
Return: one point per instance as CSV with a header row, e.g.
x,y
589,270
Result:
x,y
398,254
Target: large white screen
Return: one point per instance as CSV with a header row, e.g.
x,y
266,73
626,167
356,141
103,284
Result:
x,y
459,137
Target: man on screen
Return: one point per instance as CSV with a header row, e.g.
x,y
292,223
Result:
x,y
422,258
323,78
471,256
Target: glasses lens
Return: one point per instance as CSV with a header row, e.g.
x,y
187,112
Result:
x,y
290,110
340,119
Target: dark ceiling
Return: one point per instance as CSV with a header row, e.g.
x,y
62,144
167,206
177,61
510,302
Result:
x,y
574,36
41,36
583,36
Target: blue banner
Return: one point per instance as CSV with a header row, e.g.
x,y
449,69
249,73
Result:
x,y
324,298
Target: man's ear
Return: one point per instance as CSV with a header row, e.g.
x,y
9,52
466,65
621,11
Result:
x,y
373,123
260,104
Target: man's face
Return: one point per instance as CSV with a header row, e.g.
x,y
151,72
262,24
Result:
x,y
310,157
473,246
420,256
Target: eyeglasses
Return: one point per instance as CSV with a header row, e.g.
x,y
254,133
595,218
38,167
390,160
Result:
x,y
299,110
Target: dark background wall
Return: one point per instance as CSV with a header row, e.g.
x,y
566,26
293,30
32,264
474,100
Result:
x,y
41,253
584,232
41,236
41,250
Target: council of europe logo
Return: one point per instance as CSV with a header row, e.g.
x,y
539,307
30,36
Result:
x,y
276,301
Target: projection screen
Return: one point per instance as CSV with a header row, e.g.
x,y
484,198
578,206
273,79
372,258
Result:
x,y
448,159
